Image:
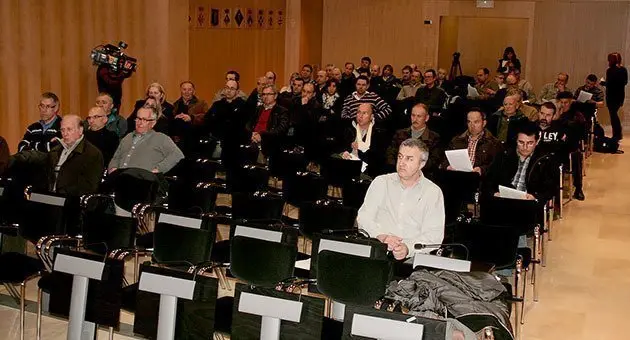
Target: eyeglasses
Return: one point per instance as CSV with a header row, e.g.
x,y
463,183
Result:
x,y
95,117
47,107
144,120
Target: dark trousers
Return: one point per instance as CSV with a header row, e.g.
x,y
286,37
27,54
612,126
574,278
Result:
x,y
577,163
613,109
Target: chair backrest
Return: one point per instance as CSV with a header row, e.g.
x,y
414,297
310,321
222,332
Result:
x,y
370,248
337,171
188,197
179,238
248,178
104,228
47,214
488,243
303,187
353,192
263,255
258,206
286,162
132,186
522,214
458,188
325,214
352,279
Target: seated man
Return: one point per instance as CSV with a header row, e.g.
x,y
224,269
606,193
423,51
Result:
x,y
486,87
97,134
304,118
145,148
269,123
418,130
220,94
43,135
430,94
404,208
550,90
575,125
504,123
188,113
115,122
73,167
351,103
409,90
524,85
481,144
511,84
289,99
590,86
524,168
363,140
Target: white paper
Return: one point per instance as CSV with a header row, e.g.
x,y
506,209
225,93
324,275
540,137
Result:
x,y
354,157
506,192
303,264
504,63
459,160
472,92
584,96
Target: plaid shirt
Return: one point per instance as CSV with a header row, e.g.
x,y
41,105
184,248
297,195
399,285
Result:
x,y
472,147
519,178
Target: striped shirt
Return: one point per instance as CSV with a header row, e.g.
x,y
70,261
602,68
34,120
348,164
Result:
x,y
381,109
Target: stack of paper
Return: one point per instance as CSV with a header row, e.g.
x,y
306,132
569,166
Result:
x,y
584,96
506,192
459,160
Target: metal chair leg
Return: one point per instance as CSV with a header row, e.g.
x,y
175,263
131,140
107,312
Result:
x,y
22,305
111,333
518,305
523,296
39,314
535,261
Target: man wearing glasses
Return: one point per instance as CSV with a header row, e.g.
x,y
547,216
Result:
x,y
270,122
42,135
524,168
97,134
145,148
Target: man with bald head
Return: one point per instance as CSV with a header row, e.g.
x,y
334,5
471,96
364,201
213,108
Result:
x,y
73,167
320,82
97,134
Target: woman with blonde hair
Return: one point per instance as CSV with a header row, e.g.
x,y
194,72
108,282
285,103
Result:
x,y
156,91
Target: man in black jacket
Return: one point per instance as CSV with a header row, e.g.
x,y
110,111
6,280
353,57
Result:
x,y
105,140
524,168
73,167
270,122
226,122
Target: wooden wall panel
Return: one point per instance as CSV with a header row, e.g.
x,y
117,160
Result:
x,y
311,32
45,46
251,52
479,52
449,33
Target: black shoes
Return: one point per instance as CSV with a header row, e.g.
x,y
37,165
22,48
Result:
x,y
579,195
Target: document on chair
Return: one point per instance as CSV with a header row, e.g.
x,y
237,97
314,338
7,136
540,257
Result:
x,y
584,96
472,92
354,157
506,192
459,160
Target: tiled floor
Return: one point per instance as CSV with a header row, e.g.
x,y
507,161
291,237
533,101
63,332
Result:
x,y
584,290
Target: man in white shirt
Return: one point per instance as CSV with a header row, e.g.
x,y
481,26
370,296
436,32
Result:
x,y
404,208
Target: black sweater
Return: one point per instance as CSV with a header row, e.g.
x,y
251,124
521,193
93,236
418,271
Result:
x,y
616,81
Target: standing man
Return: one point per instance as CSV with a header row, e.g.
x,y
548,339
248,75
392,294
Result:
x,y
404,208
42,135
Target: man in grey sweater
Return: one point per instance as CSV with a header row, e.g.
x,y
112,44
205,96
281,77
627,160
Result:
x,y
145,148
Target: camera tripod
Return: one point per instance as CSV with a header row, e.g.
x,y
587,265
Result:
x,y
455,67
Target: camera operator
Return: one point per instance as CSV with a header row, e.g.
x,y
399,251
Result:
x,y
110,81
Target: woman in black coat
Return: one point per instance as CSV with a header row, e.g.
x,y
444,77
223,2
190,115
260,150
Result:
x,y
616,81
509,61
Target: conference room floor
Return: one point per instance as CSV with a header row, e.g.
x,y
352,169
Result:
x,y
584,289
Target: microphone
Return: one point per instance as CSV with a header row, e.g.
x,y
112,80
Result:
x,y
359,231
419,246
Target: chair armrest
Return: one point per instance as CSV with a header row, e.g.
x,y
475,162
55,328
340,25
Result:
x,y
10,230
